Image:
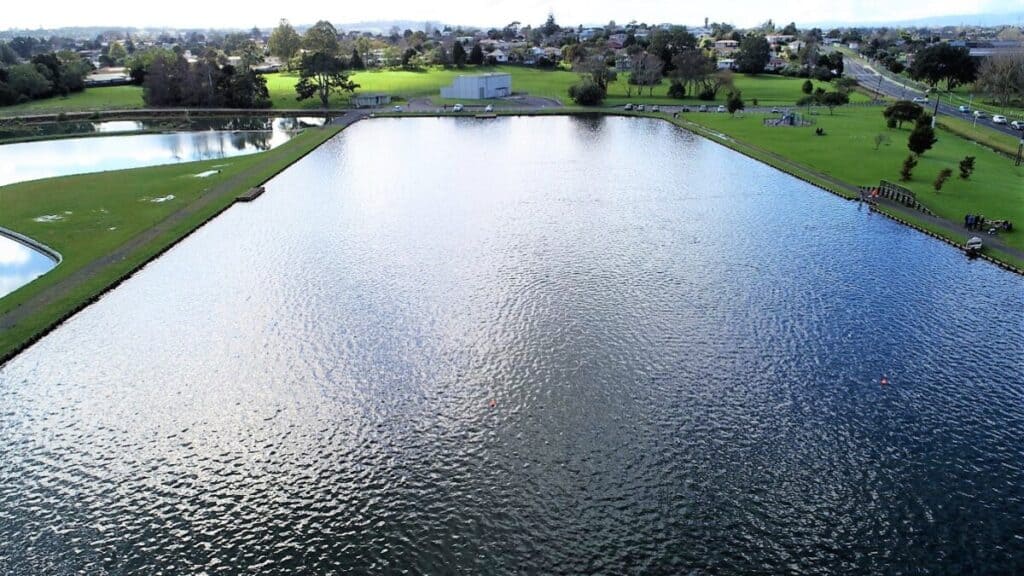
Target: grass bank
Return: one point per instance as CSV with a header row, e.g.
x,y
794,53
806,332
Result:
x,y
111,226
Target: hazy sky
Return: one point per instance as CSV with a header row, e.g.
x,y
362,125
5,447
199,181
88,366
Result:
x,y
203,14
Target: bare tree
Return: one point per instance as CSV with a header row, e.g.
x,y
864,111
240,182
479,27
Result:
x,y
1002,77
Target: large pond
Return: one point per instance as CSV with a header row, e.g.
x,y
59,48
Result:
x,y
189,141
528,346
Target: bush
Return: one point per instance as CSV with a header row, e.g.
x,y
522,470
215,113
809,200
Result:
x,y
706,94
966,167
908,167
944,175
677,90
807,87
587,93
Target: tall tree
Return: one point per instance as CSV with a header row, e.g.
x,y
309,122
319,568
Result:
x,y
942,62
923,136
754,54
284,41
1002,77
321,38
459,55
550,27
356,62
903,111
321,75
476,55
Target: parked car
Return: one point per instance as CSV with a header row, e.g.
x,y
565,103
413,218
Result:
x,y
703,108
640,107
457,108
684,109
964,109
776,111
980,114
655,108
921,100
488,108
999,119
1017,124
627,107
397,108
721,108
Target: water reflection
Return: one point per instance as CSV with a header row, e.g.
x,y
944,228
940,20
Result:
x,y
208,139
20,264
683,347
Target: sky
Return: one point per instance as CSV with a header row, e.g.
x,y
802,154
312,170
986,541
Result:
x,y
205,14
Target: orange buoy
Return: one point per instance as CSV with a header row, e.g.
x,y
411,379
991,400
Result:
x,y
492,403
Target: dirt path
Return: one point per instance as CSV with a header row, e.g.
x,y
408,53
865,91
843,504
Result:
x,y
63,288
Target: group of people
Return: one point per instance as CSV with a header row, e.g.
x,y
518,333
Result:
x,y
978,222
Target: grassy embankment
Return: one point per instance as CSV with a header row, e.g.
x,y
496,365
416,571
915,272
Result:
x,y
111,209
847,153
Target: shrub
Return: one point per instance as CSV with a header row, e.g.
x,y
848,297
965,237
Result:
x,y
966,167
706,94
807,87
944,175
587,93
908,167
677,90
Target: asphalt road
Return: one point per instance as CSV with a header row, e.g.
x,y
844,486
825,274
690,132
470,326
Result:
x,y
869,79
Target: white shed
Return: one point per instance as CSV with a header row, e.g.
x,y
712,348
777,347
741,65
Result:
x,y
479,87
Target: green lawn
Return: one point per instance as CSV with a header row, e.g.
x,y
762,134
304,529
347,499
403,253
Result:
x,y
847,153
108,209
105,98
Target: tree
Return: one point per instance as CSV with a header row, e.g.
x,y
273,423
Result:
x,y
922,138
807,87
834,99
587,93
322,74
944,175
903,111
645,71
754,54
1002,76
550,27
28,81
7,54
734,102
322,38
906,172
691,69
476,55
284,41
459,56
790,29
356,61
966,167
116,54
596,71
942,62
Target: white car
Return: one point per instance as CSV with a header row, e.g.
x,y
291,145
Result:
x,y
721,108
964,109
627,107
1017,124
980,114
457,108
921,100
655,109
640,107
397,108
999,119
488,108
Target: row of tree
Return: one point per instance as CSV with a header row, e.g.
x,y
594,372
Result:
x,y
170,80
45,75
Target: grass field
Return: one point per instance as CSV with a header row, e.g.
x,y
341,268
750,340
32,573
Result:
x,y
847,153
109,209
769,90
105,98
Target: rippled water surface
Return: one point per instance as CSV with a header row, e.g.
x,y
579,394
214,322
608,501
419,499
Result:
x,y
548,345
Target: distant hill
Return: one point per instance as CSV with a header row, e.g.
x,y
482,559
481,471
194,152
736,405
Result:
x,y
989,19
385,26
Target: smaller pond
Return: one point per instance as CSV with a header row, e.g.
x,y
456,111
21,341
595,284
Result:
x,y
86,127
206,139
20,264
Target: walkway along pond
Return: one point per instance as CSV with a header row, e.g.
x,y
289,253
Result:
x,y
544,345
